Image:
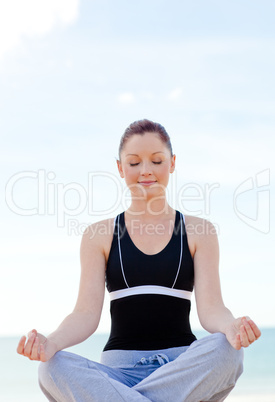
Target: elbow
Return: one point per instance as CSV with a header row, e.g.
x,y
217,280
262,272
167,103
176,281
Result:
x,y
204,321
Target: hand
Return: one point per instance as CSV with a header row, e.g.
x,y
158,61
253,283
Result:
x,y
37,347
242,332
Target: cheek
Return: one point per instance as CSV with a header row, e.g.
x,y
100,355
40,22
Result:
x,y
130,173
164,170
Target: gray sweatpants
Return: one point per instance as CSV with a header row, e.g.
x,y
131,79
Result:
x,y
207,370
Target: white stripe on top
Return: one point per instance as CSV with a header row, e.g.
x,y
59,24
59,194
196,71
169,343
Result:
x,y
119,250
150,289
182,219
181,249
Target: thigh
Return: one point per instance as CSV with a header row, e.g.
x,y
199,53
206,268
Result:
x,y
209,365
67,364
68,377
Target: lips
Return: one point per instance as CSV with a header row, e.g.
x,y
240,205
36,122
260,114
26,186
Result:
x,y
147,183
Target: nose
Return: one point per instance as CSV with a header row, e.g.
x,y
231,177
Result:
x,y
146,169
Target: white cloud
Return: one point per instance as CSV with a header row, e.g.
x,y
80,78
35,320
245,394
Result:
x,y
126,98
30,17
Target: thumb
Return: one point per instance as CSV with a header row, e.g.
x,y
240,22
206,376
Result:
x,y
31,332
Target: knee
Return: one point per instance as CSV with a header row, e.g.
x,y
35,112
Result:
x,y
229,358
50,371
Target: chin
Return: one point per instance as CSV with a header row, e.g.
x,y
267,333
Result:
x,y
147,191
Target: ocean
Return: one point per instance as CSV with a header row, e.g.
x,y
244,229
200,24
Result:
x,y
18,375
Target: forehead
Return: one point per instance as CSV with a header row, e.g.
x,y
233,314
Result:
x,y
145,143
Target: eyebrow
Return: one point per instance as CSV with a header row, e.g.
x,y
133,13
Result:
x,y
158,152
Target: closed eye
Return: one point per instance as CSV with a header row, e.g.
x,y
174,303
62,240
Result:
x,y
155,163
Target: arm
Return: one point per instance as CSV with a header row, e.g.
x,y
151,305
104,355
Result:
x,y
214,316
84,319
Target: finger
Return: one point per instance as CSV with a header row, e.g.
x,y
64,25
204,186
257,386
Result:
x,y
21,345
34,352
238,344
33,331
249,331
42,353
29,345
244,339
255,329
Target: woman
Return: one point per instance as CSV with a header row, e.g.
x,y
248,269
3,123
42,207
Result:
x,y
151,260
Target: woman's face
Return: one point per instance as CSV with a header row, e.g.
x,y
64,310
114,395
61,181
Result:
x,y
146,164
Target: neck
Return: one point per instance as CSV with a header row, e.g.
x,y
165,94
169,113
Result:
x,y
154,208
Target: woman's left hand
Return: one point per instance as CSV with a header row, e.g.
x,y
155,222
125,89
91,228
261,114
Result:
x,y
242,332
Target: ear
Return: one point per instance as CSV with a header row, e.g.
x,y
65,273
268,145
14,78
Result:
x,y
120,170
173,163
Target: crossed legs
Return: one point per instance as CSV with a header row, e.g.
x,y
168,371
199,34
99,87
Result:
x,y
206,371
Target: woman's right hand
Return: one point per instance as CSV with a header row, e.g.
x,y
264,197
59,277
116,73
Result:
x,y
36,347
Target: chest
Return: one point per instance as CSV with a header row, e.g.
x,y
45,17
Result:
x,y
150,238
150,255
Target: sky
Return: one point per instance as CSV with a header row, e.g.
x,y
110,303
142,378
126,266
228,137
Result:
x,y
73,75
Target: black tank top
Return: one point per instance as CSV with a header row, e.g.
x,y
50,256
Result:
x,y
150,294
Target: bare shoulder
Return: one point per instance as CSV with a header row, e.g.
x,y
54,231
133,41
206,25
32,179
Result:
x,y
94,243
199,231
199,226
99,236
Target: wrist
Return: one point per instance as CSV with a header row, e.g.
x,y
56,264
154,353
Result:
x,y
55,342
229,324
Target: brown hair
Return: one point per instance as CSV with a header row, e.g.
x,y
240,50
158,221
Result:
x,y
145,126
